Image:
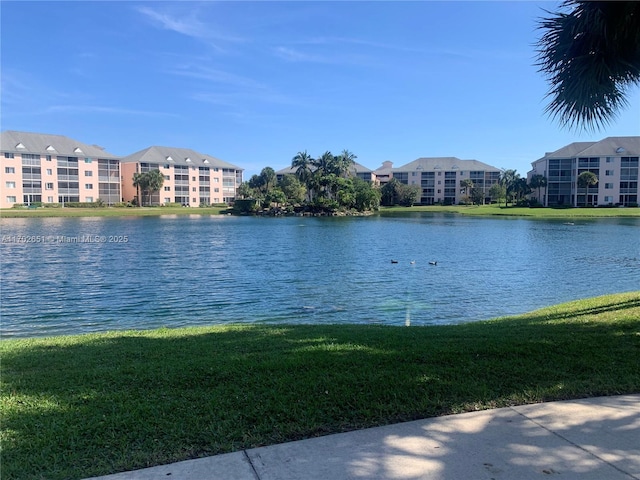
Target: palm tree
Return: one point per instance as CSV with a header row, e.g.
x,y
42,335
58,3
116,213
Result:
x,y
325,163
138,179
520,188
586,180
324,166
508,179
590,55
155,180
537,182
141,182
303,162
345,161
467,184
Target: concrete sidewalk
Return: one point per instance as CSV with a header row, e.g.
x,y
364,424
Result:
x,y
596,438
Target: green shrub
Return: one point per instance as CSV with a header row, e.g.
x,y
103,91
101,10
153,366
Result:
x,y
246,205
84,204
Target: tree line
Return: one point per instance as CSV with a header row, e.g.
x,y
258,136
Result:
x,y
327,183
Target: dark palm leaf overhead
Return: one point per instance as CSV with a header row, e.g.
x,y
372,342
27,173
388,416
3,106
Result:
x,y
591,56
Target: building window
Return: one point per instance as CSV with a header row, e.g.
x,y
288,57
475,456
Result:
x,y
216,190
194,200
88,173
11,199
167,200
9,170
89,199
167,189
49,171
48,186
608,199
608,186
11,184
88,186
609,160
193,179
608,173
167,177
48,158
215,169
50,199
193,189
8,155
87,160
216,180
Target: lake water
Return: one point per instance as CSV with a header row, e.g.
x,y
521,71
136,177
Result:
x,y
200,270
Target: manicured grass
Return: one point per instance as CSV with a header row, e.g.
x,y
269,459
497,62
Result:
x,y
484,210
489,210
79,406
107,212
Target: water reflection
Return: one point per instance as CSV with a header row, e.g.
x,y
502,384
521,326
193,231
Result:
x,y
177,270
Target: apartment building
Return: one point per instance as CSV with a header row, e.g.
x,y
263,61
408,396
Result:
x,y
440,178
613,160
55,169
190,178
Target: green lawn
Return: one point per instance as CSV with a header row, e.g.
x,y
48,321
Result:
x,y
484,210
490,210
79,406
107,212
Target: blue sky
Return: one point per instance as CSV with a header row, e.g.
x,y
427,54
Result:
x,y
253,83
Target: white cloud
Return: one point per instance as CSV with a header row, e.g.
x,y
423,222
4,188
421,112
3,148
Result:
x,y
215,76
189,25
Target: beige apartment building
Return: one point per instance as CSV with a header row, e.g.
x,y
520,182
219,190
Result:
x,y
55,169
440,178
190,178
613,160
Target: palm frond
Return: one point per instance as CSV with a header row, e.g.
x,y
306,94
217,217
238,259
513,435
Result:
x,y
591,56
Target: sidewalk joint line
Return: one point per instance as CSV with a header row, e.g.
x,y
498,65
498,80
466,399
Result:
x,y
253,468
575,445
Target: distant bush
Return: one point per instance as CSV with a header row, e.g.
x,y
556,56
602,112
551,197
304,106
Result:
x,y
96,204
246,205
171,204
52,205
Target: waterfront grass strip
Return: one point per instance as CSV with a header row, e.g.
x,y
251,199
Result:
x,y
79,406
473,210
108,212
510,211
